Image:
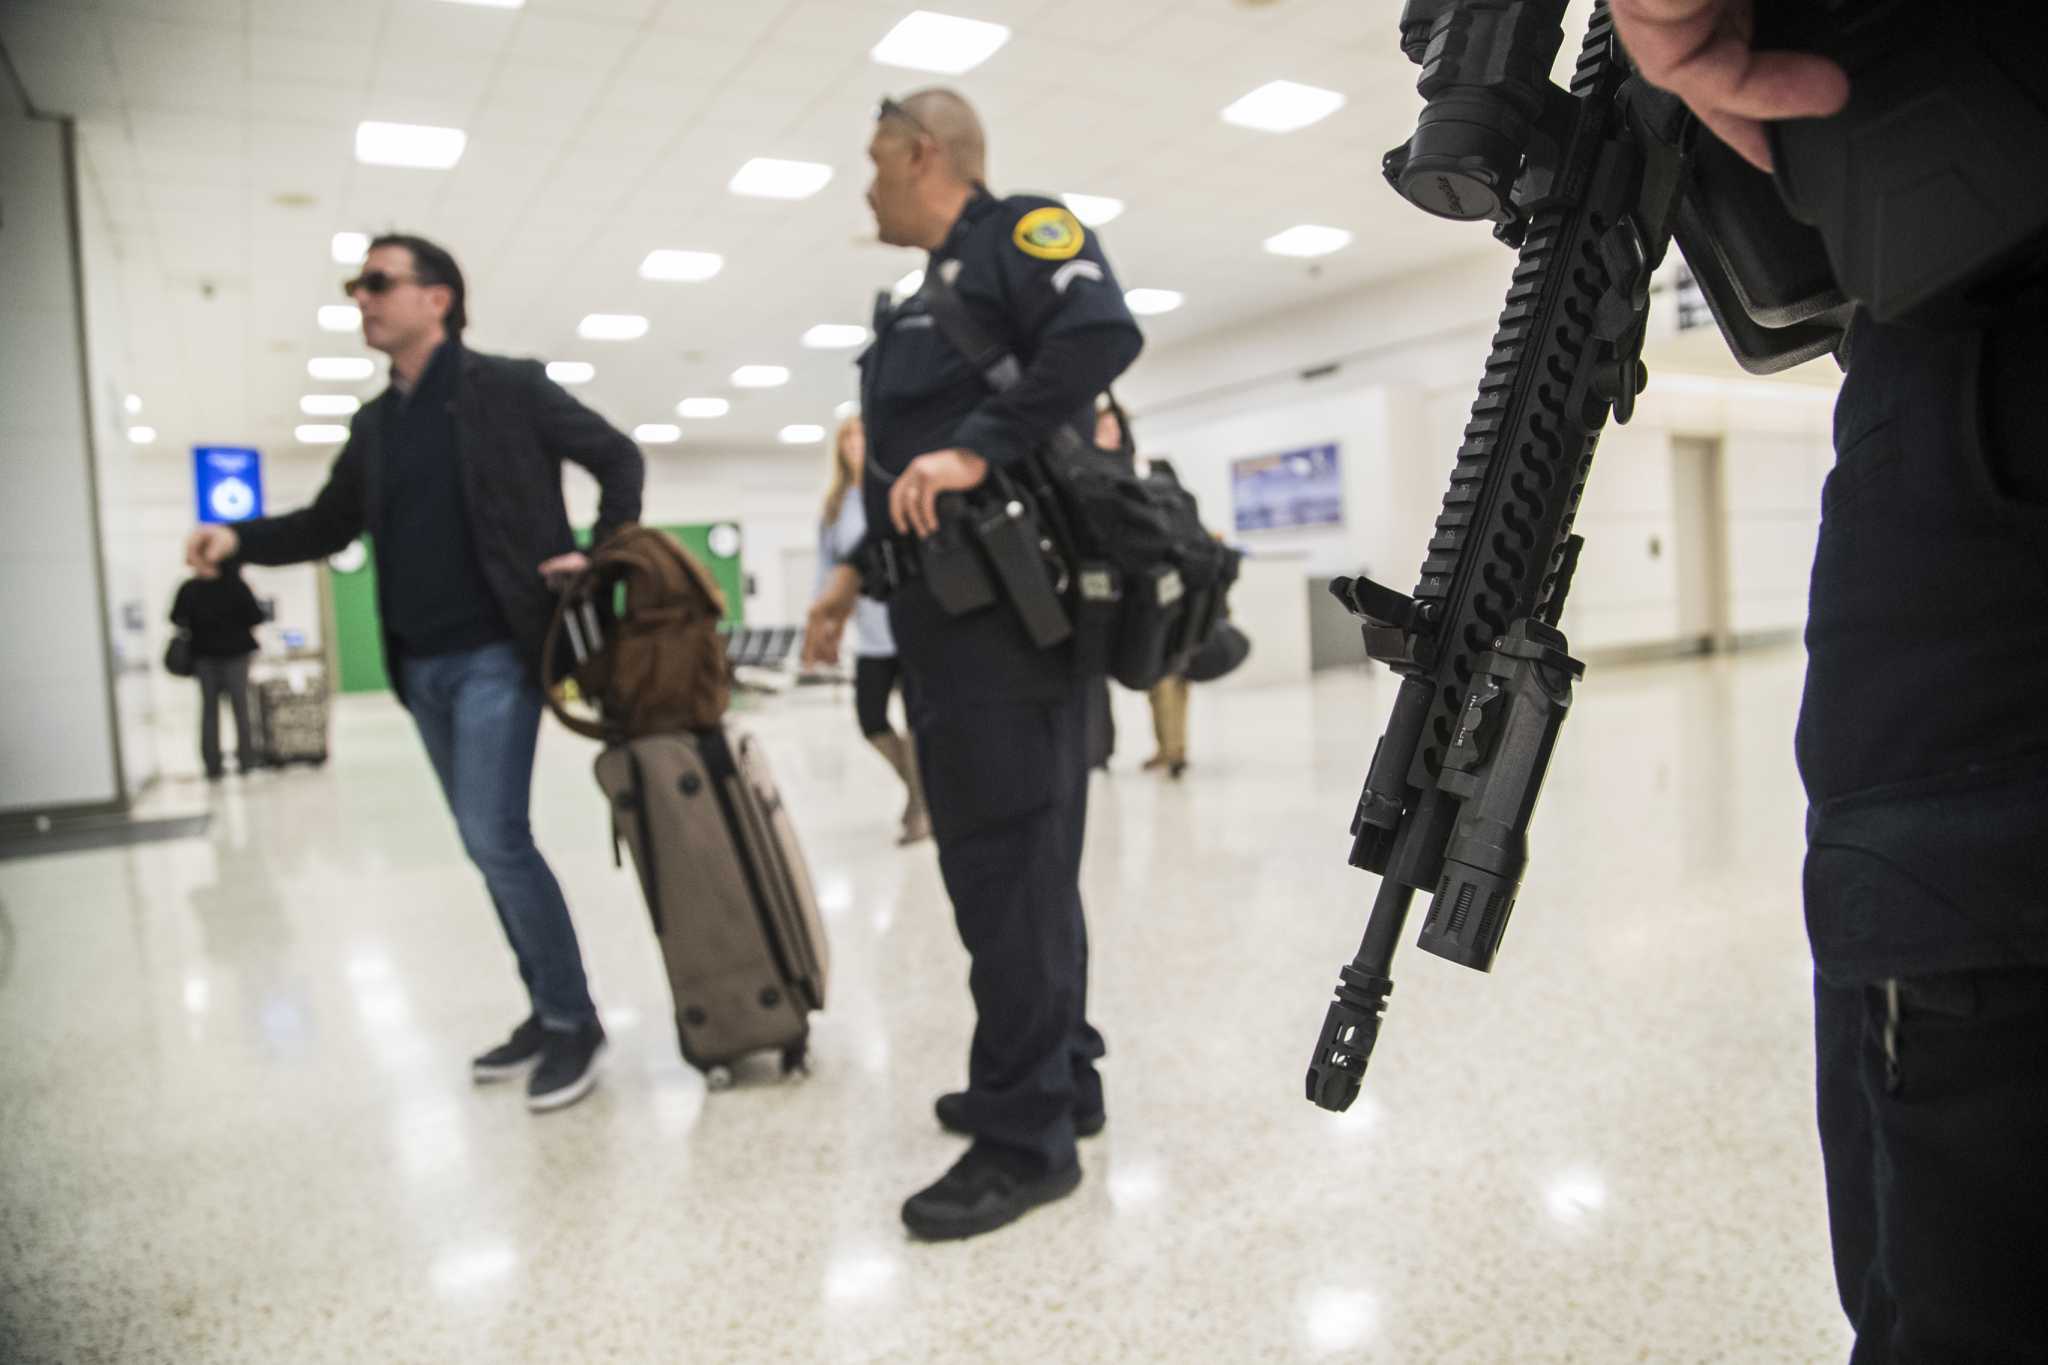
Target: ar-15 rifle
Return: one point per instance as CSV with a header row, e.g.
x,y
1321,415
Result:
x,y
1592,185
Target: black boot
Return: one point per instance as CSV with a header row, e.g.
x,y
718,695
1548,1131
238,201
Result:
x,y
989,1187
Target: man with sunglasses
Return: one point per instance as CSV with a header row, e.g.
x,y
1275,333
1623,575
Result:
x,y
1001,725
455,471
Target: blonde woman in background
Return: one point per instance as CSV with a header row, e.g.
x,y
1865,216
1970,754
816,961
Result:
x,y
876,675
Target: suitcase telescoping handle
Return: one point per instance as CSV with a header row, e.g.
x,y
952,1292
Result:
x,y
576,617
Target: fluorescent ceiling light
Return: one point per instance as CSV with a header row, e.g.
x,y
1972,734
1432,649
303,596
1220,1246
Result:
x,y
329,404
908,285
657,433
340,317
142,436
1308,240
1283,106
681,267
1146,302
612,327
939,42
700,408
801,434
1094,209
342,367
320,434
490,4
571,371
349,248
413,145
766,178
760,377
846,409
835,336
133,403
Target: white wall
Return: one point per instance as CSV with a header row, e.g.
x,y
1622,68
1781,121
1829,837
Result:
x,y
57,738
1408,357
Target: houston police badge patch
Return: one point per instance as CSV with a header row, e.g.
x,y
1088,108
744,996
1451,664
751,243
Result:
x,y
1050,234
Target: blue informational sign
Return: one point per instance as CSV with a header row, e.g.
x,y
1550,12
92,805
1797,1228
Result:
x,y
228,481
1293,488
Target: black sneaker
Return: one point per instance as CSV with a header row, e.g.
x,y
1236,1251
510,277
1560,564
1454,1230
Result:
x,y
511,1057
987,1188
567,1070
952,1111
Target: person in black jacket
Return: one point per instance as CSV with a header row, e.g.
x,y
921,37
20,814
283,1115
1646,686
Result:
x,y
455,472
220,613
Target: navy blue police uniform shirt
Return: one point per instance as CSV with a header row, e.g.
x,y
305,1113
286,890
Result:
x,y
1031,275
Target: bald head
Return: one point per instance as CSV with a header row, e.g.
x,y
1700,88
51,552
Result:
x,y
929,155
947,117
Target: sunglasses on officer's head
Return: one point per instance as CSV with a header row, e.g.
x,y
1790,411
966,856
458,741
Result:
x,y
374,282
889,108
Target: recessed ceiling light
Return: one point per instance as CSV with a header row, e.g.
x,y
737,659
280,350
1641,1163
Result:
x,y
700,408
1093,209
142,436
612,327
340,317
413,145
571,371
657,433
1283,106
681,267
846,409
490,4
801,434
343,367
766,178
835,336
926,41
329,404
908,285
349,248
132,403
320,434
760,377
1307,239
1146,302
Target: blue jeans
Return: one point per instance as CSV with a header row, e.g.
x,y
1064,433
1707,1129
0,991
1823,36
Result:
x,y
479,715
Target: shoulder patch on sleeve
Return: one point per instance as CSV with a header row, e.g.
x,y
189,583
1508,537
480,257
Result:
x,y
1050,234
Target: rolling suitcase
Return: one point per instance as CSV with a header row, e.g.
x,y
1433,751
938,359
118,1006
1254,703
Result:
x,y
290,717
727,889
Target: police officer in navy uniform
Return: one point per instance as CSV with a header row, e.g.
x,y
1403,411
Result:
x,y
1001,725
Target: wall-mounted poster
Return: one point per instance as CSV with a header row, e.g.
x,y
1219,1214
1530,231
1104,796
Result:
x,y
1291,489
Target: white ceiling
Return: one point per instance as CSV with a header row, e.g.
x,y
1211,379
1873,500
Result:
x,y
218,137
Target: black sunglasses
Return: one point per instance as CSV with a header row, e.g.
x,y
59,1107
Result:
x,y
375,282
889,108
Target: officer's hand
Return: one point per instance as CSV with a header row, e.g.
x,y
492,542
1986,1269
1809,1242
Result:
x,y
914,498
1699,50
208,547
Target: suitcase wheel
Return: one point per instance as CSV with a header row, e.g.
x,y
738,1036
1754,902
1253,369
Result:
x,y
797,1057
718,1078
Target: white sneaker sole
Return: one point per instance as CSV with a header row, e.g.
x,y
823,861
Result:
x,y
574,1091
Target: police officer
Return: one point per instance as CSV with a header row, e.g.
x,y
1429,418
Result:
x,y
1001,725
1925,761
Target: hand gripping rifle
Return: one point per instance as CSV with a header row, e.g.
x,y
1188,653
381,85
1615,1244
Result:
x,y
1587,184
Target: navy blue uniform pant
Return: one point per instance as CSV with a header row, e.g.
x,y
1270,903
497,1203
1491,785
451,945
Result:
x,y
1002,743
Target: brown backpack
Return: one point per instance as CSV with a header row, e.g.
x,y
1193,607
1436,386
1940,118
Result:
x,y
642,623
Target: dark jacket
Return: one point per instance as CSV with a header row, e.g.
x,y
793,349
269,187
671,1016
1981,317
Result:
x,y
220,613
513,428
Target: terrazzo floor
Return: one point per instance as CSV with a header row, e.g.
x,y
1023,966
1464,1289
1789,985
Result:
x,y
236,1124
